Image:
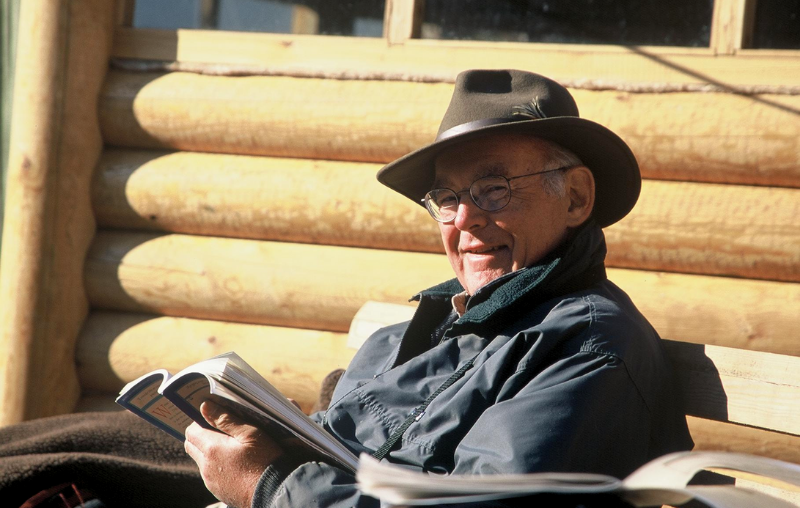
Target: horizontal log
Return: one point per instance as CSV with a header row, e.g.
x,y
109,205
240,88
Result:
x,y
290,200
318,119
724,138
305,286
322,287
115,348
712,229
737,313
421,59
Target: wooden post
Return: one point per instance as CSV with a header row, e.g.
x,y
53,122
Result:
x,y
732,25
124,12
402,20
304,20
55,143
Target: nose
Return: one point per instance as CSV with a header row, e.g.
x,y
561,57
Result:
x,y
468,216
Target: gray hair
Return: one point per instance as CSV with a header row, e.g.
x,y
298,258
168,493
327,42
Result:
x,y
554,183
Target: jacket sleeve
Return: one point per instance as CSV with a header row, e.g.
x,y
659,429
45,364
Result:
x,y
571,416
284,484
296,480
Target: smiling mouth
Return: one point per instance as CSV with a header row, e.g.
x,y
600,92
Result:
x,y
484,250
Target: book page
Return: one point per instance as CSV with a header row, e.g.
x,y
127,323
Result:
x,y
399,486
661,482
195,392
675,470
159,408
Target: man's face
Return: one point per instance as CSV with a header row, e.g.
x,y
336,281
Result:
x,y
482,246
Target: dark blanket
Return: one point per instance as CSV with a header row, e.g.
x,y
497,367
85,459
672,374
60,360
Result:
x,y
124,460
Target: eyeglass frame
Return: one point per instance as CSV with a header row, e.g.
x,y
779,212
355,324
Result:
x,y
426,199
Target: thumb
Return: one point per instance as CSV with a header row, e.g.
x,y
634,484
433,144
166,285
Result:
x,y
219,418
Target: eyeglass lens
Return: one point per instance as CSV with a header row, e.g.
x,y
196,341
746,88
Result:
x,y
490,193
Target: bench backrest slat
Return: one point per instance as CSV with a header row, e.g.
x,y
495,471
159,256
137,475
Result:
x,y
733,385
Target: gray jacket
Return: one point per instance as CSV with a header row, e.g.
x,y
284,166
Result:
x,y
560,373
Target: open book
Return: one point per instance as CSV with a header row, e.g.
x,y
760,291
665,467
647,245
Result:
x,y
173,402
662,481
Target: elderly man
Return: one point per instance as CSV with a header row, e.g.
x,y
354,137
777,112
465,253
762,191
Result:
x,y
530,359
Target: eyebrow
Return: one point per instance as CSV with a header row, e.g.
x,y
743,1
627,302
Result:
x,y
493,169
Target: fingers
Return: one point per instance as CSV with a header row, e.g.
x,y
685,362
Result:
x,y
217,416
196,443
232,425
228,422
231,462
200,439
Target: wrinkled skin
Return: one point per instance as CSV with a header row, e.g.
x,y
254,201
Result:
x,y
231,461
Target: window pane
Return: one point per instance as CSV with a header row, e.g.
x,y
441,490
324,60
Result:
x,y
777,24
354,17
630,22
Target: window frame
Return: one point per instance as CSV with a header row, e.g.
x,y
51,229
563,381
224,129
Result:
x,y
728,64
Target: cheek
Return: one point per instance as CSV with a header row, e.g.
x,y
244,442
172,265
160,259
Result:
x,y
450,236
537,240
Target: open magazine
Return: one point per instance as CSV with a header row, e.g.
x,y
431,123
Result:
x,y
172,403
662,481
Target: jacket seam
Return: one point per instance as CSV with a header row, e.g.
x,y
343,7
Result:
x,y
380,413
375,409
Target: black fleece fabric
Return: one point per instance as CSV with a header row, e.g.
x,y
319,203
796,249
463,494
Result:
x,y
125,461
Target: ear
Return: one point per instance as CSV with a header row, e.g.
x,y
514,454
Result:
x,y
580,191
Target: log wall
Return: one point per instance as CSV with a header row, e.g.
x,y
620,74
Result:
x,y
240,210
252,199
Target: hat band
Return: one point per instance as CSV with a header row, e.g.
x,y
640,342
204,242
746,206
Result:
x,y
475,125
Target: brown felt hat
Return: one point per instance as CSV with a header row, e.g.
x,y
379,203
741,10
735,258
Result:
x,y
497,101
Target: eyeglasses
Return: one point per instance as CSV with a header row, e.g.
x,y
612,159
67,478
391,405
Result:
x,y
490,193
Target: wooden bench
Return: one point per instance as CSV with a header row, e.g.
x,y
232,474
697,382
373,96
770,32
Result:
x,y
177,194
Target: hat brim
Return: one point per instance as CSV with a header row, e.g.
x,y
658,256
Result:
x,y
616,172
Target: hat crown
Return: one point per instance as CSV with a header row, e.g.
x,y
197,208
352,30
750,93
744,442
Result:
x,y
512,95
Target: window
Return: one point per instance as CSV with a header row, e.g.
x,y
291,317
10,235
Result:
x,y
628,22
355,17
777,24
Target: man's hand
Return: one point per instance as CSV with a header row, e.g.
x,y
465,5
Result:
x,y
230,463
